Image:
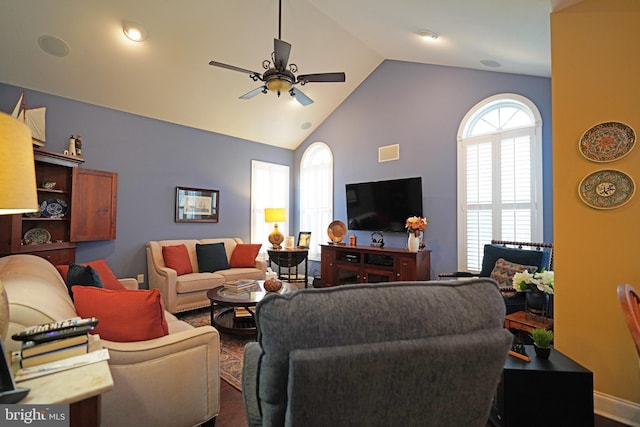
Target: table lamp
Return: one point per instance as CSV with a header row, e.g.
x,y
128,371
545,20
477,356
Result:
x,y
17,195
17,169
275,215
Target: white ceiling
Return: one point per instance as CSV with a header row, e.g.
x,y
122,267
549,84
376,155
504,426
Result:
x,y
167,77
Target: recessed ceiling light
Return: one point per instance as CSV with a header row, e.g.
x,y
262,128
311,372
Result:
x,y
428,35
490,63
305,125
53,46
134,31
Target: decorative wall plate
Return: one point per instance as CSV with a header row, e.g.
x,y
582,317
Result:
x,y
54,208
37,235
336,231
607,141
606,189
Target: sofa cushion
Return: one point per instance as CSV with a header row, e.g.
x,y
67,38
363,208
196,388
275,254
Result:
x,y
493,252
211,257
504,270
177,258
124,315
82,275
244,255
108,278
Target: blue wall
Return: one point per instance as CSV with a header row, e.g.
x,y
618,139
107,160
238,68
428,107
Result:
x,y
420,107
415,105
151,158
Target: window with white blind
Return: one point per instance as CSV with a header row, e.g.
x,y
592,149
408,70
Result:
x,y
269,189
499,176
316,194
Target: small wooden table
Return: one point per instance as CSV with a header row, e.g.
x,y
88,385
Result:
x,y
290,259
225,321
523,321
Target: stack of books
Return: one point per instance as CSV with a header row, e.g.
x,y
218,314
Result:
x,y
36,353
239,286
242,312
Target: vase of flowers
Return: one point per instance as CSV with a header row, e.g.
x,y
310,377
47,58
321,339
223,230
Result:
x,y
538,287
415,226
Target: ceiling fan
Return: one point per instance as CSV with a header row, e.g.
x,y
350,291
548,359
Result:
x,y
278,77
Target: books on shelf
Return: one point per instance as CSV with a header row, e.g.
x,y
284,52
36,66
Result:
x,y
31,348
239,286
55,355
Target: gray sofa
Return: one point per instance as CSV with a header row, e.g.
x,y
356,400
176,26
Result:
x,y
403,353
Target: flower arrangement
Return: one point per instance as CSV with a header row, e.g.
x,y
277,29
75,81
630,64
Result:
x,y
416,225
542,281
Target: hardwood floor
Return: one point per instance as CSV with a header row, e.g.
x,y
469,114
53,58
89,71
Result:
x,y
232,410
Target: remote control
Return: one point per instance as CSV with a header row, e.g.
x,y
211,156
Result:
x,y
28,333
61,333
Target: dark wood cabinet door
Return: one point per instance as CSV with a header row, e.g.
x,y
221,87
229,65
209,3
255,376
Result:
x,y
93,205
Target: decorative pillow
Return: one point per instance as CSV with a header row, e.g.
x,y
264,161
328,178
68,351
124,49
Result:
x,y
108,279
83,276
244,255
177,258
125,315
211,257
520,256
504,270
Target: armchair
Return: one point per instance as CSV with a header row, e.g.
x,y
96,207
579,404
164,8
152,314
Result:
x,y
400,353
539,255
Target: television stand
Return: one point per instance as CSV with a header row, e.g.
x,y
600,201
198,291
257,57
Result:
x,y
341,265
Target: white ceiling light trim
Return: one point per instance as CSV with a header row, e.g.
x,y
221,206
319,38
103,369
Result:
x,y
134,31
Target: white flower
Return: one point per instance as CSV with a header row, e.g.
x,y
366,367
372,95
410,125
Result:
x,y
543,281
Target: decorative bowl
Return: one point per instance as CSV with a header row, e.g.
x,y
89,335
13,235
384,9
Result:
x,y
49,185
272,285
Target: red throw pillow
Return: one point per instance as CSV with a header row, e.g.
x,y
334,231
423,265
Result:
x,y
244,255
108,278
177,258
124,316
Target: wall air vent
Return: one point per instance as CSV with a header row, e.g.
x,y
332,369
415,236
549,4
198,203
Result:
x,y
388,153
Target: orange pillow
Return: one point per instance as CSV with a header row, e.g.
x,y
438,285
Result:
x,y
244,255
109,280
124,316
177,258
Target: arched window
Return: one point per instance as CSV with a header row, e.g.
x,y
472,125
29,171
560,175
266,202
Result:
x,y
316,194
499,176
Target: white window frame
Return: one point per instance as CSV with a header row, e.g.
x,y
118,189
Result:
x,y
316,194
471,240
269,189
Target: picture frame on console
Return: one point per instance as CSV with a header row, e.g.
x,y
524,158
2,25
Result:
x,y
197,205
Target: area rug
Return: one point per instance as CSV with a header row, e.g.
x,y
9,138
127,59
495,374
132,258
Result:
x,y
231,347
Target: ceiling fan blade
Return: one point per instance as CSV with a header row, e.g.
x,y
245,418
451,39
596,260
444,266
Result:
x,y
231,67
300,97
254,92
322,77
281,51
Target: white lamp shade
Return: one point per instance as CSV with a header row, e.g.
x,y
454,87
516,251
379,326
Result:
x,y
17,170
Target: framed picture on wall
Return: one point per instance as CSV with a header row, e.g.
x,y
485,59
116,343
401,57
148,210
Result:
x,y
196,205
304,238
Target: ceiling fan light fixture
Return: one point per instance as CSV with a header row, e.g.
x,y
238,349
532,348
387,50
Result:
x,y
278,85
134,31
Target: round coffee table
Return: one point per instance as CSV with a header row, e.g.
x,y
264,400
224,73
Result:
x,y
225,320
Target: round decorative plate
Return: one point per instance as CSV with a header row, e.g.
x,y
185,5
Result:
x,y
607,141
606,189
336,231
54,208
37,235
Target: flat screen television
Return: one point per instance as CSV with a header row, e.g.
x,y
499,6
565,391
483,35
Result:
x,y
383,205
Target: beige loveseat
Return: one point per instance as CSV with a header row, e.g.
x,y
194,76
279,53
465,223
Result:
x,y
189,291
168,381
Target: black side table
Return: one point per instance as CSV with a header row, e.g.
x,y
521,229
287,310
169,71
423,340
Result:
x,y
288,261
553,392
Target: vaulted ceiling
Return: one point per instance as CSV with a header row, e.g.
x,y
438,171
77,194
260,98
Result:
x,y
167,76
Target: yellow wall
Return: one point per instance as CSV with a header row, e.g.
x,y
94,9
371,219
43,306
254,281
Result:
x,y
595,48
